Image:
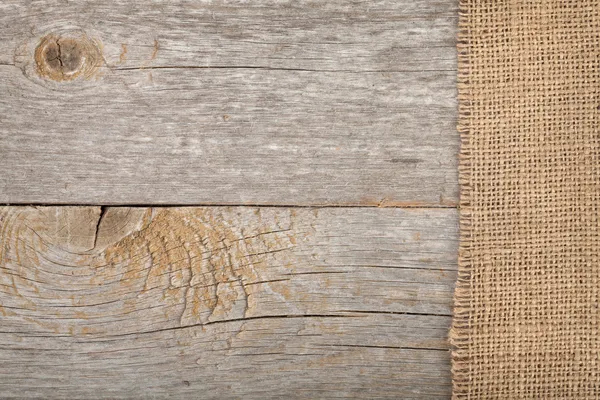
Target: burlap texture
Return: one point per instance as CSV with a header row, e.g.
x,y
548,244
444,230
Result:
x,y
527,303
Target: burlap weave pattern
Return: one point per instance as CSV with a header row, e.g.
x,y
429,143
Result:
x,y
527,303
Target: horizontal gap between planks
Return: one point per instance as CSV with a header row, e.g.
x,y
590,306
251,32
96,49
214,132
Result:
x,y
185,205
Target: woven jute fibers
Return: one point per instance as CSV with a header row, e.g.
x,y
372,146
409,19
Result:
x,y
527,304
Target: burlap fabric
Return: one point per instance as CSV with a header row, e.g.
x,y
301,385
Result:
x,y
527,303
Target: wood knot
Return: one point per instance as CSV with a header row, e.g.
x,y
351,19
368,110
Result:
x,y
66,57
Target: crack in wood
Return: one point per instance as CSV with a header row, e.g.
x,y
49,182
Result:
x,y
100,219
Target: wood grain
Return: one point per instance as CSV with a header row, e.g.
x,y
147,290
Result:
x,y
229,102
225,302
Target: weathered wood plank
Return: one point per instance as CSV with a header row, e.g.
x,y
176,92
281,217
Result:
x,y
226,302
198,102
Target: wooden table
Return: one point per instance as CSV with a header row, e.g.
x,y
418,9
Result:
x,y
227,199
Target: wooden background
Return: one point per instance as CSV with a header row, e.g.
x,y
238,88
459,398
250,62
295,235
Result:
x,y
227,199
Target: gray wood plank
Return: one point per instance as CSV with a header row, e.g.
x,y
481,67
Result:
x,y
226,302
229,102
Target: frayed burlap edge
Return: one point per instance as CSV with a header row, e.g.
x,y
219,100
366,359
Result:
x,y
459,332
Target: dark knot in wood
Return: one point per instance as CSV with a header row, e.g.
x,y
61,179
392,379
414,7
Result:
x,y
66,57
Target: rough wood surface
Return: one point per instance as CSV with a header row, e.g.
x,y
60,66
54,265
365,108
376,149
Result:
x,y
225,302
228,102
